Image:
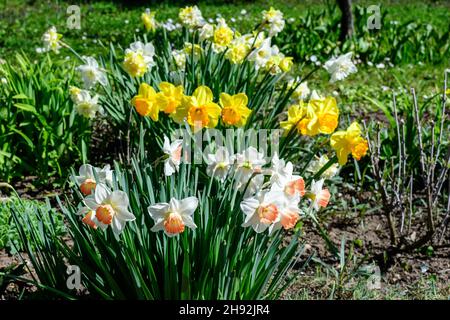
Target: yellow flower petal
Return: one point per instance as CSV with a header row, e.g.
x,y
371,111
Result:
x,y
240,99
145,102
203,94
349,142
225,100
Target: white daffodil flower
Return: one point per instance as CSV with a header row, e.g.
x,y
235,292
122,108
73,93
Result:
x,y
191,17
172,152
276,27
282,178
319,163
248,163
302,92
88,216
174,216
341,67
274,21
51,40
91,73
87,178
280,170
261,210
75,94
254,41
319,196
110,207
288,212
180,58
144,50
261,55
252,186
87,106
206,32
219,163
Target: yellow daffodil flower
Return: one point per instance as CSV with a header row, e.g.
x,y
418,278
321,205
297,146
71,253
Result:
x,y
286,64
237,51
223,35
296,118
148,18
199,110
134,64
145,102
169,99
323,115
234,109
349,142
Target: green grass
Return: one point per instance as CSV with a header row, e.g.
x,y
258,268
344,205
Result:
x,y
318,284
23,22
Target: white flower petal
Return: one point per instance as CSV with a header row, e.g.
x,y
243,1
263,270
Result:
x,y
90,202
123,214
249,206
117,226
119,198
83,211
189,222
158,210
169,168
101,193
187,206
159,225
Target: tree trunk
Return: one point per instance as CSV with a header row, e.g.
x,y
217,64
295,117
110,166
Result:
x,y
346,19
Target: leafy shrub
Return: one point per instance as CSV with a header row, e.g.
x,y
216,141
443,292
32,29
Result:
x,y
40,133
411,171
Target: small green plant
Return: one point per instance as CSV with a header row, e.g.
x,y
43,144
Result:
x,y
31,213
40,133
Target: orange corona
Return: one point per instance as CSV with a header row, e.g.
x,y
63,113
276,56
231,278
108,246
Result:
x,y
268,214
173,223
323,198
295,186
88,220
87,186
289,219
105,213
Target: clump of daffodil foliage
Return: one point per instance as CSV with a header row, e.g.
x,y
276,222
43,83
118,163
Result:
x,y
175,219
